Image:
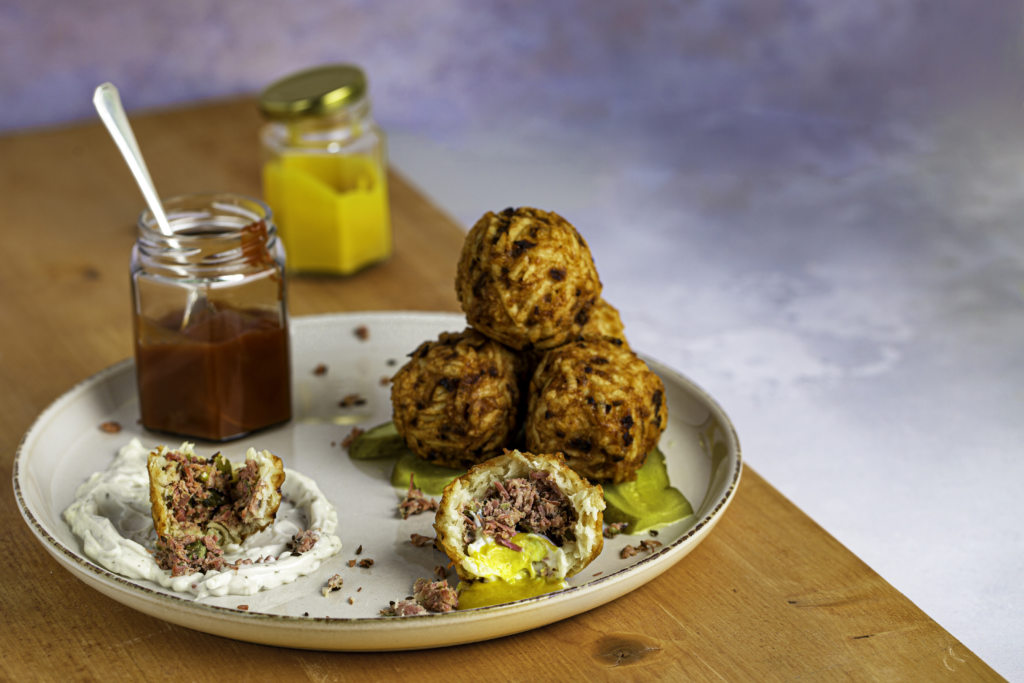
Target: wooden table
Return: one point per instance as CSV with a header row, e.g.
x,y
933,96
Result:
x,y
769,595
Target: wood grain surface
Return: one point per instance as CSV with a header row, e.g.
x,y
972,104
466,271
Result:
x,y
768,596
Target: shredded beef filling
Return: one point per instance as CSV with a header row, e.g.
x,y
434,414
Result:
x,y
188,554
206,492
531,505
200,490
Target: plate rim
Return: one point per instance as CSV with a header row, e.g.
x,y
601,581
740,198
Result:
x,y
76,563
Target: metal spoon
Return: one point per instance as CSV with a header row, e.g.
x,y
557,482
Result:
x,y
107,101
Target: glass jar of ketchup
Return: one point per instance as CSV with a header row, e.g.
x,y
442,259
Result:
x,y
210,317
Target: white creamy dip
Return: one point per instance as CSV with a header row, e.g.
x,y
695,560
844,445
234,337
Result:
x,y
111,515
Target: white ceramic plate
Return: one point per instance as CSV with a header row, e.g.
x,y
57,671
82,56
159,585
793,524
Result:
x,y
65,446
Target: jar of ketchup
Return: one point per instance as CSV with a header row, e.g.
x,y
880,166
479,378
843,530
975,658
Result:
x,y
210,318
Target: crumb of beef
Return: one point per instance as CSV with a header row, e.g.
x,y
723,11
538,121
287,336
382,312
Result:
x,y
320,370
333,584
188,554
403,608
614,529
533,505
243,608
352,436
436,596
433,596
304,541
352,400
644,546
366,564
419,540
415,502
362,332
359,550
351,563
111,427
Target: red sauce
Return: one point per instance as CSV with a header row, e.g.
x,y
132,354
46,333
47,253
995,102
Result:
x,y
225,375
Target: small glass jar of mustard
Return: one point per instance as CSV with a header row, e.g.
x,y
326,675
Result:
x,y
325,170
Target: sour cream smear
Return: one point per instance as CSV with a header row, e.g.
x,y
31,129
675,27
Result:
x,y
111,516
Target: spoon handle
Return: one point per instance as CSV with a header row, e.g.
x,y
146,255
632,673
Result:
x,y
107,101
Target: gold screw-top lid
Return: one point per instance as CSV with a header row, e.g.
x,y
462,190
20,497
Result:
x,y
313,92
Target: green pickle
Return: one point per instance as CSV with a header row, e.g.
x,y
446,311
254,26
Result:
x,y
430,478
648,502
381,441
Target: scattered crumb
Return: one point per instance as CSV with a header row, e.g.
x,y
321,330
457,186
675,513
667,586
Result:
x,y
440,572
362,332
333,444
359,589
244,607
614,529
351,601
419,540
305,614
352,436
403,608
359,550
597,573
653,532
333,584
645,546
110,427
366,564
385,380
352,400
415,502
303,541
320,370
433,596
351,563
392,362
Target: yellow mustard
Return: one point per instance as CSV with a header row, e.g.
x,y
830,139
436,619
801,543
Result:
x,y
325,170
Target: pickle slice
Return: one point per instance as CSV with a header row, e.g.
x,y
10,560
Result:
x,y
648,502
430,478
381,441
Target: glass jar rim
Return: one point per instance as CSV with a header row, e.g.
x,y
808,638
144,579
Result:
x,y
187,211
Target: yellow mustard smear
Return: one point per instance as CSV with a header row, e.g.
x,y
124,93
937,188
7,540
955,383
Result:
x,y
332,211
508,575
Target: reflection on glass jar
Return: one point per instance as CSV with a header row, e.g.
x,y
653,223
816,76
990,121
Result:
x,y
325,171
210,318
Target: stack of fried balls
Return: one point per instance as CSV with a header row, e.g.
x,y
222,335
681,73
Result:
x,y
544,365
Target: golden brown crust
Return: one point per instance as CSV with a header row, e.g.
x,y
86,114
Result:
x,y
603,322
457,401
587,501
598,403
526,278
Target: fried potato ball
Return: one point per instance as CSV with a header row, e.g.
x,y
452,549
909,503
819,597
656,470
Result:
x,y
600,405
526,278
457,401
